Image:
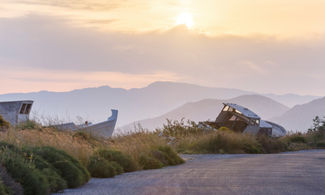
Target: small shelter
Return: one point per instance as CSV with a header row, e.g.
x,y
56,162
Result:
x,y
241,119
16,112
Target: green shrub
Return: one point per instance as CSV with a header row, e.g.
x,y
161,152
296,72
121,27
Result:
x,y
7,146
71,174
252,148
3,124
126,162
56,182
101,168
297,139
32,179
11,186
3,189
167,156
117,167
30,124
320,145
149,162
69,168
271,145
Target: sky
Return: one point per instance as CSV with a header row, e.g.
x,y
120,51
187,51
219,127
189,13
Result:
x,y
269,46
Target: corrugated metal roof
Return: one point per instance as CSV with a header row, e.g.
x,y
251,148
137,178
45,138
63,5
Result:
x,y
245,111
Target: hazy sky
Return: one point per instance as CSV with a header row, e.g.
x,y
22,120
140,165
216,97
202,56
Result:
x,y
265,46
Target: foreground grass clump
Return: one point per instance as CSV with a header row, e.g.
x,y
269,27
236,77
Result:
x,y
42,170
196,138
221,142
128,151
102,168
4,125
125,161
69,168
204,138
108,163
28,125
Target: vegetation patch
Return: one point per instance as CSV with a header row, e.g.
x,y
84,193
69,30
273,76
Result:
x,y
69,168
4,125
30,124
125,161
46,160
102,168
23,171
149,162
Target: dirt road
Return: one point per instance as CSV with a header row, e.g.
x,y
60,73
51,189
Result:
x,y
287,173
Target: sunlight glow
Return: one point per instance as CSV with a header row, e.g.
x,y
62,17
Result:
x,y
185,19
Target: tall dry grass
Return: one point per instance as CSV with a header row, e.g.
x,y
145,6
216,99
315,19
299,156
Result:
x,y
74,144
82,145
137,144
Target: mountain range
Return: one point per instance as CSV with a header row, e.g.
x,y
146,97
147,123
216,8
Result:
x,y
152,101
208,109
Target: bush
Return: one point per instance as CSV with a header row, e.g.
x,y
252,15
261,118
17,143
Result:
x,y
101,168
297,139
3,189
271,145
7,146
226,142
71,174
32,180
69,168
167,156
126,162
30,124
320,145
149,162
56,182
3,124
9,183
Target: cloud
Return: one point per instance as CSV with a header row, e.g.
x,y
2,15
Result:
x,y
264,64
97,5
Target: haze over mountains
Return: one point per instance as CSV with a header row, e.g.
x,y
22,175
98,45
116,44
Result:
x,y
299,118
208,109
136,104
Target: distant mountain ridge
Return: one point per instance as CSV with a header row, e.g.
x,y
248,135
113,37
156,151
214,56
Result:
x,y
208,109
94,104
300,117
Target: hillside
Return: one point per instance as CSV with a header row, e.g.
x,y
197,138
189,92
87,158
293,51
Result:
x,y
299,118
94,104
208,109
292,100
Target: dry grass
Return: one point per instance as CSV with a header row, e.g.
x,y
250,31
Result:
x,y
137,144
218,142
70,142
82,145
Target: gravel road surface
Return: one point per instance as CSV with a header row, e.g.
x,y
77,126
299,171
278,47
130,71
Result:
x,y
286,173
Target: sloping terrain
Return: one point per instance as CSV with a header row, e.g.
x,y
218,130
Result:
x,y
208,109
300,117
94,104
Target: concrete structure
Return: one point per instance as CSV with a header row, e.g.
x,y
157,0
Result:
x,y
241,119
16,111
104,129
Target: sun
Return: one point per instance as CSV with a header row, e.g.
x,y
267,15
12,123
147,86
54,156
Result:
x,y
185,19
